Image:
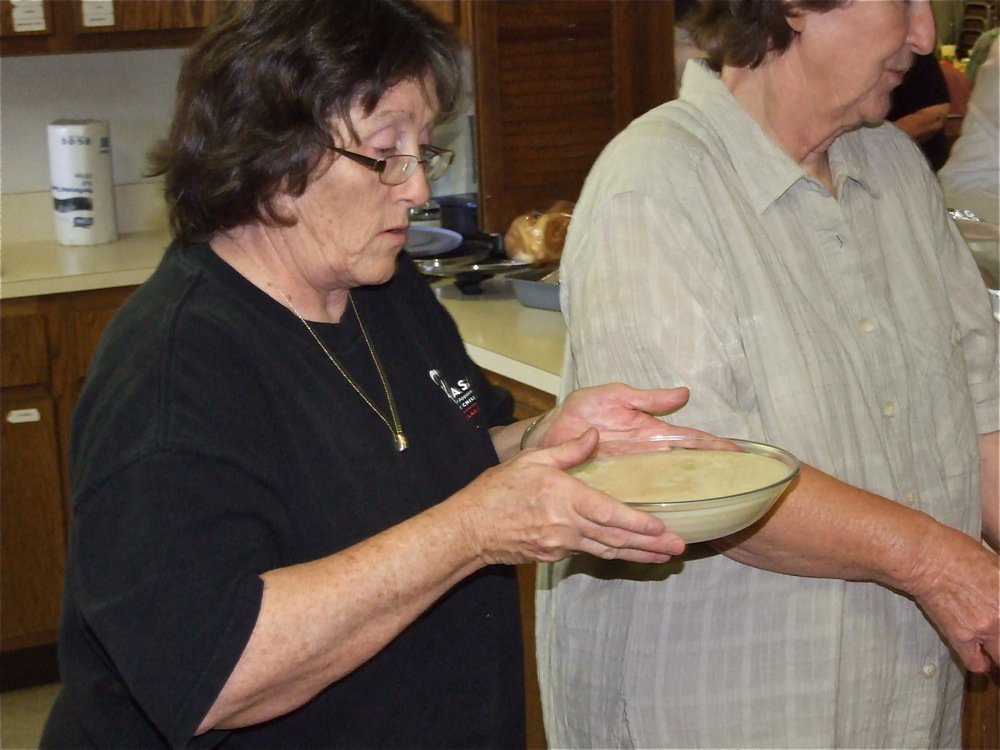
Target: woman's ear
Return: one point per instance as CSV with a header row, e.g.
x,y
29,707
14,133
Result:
x,y
796,20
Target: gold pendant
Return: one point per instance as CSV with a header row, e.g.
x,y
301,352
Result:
x,y
400,442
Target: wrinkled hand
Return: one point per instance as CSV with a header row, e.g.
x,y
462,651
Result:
x,y
617,411
957,585
529,510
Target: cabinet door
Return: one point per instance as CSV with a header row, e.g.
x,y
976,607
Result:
x,y
24,355
32,521
555,81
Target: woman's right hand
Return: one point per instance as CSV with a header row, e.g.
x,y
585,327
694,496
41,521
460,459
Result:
x,y
528,509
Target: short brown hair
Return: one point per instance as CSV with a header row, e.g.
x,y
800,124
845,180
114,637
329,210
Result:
x,y
260,93
741,33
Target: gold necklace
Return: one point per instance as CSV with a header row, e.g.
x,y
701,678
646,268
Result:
x,y
395,427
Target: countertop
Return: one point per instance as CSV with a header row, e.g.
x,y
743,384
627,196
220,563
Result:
x,y
29,269
500,334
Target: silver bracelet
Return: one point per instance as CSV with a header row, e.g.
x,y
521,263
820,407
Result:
x,y
531,427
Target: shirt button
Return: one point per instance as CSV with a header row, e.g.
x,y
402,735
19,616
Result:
x,y
910,496
867,325
929,670
956,335
889,408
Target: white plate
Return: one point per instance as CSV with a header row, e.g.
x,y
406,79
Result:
x,y
422,241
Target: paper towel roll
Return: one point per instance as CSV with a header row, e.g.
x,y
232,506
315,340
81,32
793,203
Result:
x,y
83,190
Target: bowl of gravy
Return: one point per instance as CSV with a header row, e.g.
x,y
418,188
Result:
x,y
702,488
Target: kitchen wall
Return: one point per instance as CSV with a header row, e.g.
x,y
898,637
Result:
x,y
134,91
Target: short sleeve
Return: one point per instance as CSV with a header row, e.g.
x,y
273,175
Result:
x,y
647,303
172,547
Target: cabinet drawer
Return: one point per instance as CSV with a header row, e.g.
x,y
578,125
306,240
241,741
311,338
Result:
x,y
24,356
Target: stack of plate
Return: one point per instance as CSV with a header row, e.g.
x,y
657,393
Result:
x,y
425,241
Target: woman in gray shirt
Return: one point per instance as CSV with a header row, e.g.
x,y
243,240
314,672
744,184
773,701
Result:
x,y
798,270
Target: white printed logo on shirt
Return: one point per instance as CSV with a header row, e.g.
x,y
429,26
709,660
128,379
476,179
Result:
x,y
460,394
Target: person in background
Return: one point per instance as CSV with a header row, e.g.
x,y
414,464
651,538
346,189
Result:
x,y
684,47
757,239
971,176
290,526
980,52
920,107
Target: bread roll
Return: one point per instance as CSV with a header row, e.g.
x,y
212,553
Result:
x,y
537,237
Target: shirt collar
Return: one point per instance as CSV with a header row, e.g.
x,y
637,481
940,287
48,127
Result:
x,y
765,170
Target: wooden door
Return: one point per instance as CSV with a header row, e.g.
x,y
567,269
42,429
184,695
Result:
x,y
555,81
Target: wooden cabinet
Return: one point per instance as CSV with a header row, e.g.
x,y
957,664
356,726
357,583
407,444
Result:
x,y
137,24
32,521
47,345
981,711
448,11
555,80
528,402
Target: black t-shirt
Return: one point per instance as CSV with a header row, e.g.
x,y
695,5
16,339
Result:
x,y
924,85
214,441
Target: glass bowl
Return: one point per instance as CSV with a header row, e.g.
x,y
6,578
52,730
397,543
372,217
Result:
x,y
701,487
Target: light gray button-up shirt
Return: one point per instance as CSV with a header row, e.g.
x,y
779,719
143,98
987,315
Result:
x,y
854,331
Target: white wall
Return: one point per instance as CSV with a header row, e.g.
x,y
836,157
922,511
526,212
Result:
x,y
134,91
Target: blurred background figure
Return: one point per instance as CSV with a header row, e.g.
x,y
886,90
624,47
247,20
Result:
x,y
979,52
920,108
971,176
684,45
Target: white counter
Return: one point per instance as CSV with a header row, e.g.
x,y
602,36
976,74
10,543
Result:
x,y
28,269
500,334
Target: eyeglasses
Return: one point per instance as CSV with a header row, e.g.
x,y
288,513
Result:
x,y
397,169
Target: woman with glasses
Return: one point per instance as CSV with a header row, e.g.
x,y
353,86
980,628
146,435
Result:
x,y
290,524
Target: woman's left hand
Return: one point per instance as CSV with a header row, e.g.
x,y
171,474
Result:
x,y
617,411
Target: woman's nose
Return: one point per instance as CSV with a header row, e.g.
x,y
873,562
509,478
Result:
x,y
417,189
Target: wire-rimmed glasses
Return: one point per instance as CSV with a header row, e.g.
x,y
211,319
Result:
x,y
397,169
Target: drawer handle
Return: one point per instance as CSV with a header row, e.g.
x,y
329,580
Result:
x,y
19,416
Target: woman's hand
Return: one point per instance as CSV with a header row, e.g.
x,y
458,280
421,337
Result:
x,y
530,510
617,411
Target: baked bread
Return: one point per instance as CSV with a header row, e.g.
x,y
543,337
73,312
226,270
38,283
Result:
x,y
538,237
